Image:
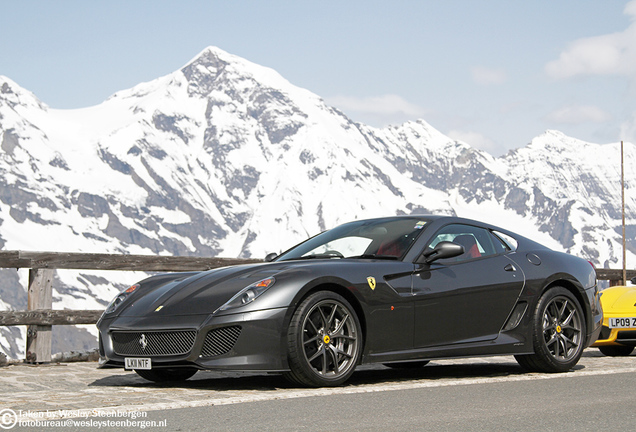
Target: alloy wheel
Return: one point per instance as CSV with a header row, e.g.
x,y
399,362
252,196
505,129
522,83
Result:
x,y
330,339
562,327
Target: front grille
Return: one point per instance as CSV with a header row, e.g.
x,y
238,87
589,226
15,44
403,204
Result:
x,y
220,341
626,335
153,343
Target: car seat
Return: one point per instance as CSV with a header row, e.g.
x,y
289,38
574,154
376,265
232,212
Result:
x,y
471,250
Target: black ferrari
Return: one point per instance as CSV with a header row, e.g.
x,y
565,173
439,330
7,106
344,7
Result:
x,y
398,290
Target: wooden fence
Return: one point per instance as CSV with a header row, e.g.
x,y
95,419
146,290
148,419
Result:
x,y
39,318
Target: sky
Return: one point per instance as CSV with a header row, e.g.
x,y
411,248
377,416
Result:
x,y
492,73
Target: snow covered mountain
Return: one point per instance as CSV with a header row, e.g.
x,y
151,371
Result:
x,y
226,158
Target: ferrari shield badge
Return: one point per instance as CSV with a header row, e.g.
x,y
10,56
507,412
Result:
x,y
371,282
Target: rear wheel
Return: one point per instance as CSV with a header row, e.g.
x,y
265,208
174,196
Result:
x,y
616,350
165,375
324,341
558,333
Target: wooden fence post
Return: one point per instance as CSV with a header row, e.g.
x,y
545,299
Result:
x,y
40,296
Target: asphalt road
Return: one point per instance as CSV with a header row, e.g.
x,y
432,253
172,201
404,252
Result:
x,y
447,395
569,403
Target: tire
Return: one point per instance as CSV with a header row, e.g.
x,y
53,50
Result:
x,y
616,350
558,333
165,375
324,341
407,365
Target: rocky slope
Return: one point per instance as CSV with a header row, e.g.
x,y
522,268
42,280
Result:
x,y
226,158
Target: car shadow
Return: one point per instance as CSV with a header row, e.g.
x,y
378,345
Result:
x,y
364,375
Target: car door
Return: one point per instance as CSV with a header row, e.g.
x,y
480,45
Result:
x,y
467,298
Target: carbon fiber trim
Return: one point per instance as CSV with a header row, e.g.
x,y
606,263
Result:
x,y
220,341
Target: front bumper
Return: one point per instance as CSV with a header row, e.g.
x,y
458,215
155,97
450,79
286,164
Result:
x,y
597,317
242,341
615,336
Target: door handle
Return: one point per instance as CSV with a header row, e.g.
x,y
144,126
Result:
x,y
510,268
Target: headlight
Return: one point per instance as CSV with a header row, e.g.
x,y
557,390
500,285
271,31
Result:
x,y
248,294
120,298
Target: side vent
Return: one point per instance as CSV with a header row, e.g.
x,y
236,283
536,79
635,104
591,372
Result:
x,y
516,316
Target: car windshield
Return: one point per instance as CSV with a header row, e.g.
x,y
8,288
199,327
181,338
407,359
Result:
x,y
387,238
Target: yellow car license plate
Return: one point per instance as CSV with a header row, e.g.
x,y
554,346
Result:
x,y
627,322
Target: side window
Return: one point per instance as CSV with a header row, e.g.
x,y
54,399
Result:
x,y
477,242
509,242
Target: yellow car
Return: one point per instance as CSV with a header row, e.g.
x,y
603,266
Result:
x,y
618,335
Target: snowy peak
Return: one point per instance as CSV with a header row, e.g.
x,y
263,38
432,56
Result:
x,y
12,95
187,163
214,64
224,157
207,144
203,71
557,143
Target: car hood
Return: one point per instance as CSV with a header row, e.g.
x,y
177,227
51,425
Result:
x,y
204,292
195,294
619,300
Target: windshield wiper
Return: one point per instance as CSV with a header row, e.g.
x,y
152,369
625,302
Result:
x,y
338,255
374,256
318,256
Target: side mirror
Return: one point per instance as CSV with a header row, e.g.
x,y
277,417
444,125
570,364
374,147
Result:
x,y
270,257
442,250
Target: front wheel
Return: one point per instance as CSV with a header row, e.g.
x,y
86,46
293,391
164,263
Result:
x,y
324,341
558,333
165,375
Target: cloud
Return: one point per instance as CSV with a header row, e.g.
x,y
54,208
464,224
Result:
x,y
628,130
577,114
487,76
611,54
630,9
474,139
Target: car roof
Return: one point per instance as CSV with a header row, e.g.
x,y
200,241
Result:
x,y
441,220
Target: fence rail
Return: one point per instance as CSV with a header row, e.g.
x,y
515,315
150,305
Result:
x,y
93,261
614,275
39,318
48,317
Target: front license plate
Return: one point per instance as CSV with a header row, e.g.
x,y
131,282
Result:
x,y
622,322
137,363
